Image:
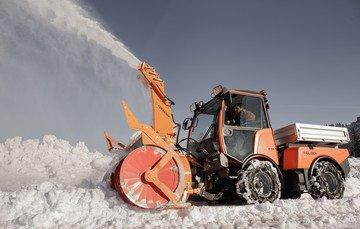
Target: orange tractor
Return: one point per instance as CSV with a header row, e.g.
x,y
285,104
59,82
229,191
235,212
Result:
x,y
231,153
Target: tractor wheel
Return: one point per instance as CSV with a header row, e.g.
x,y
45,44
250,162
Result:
x,y
259,182
326,180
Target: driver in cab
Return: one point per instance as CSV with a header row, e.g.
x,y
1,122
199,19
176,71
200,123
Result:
x,y
240,116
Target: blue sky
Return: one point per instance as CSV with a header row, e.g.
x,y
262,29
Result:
x,y
56,78
306,54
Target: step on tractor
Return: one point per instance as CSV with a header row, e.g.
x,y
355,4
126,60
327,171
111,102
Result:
x,y
230,153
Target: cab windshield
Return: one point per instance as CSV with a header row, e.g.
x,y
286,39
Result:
x,y
203,124
201,128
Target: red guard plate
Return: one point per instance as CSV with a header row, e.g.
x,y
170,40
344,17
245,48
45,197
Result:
x,y
133,184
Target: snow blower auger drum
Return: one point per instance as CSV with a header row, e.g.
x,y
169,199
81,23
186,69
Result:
x,y
143,180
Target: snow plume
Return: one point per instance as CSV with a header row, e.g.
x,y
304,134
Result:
x,y
62,73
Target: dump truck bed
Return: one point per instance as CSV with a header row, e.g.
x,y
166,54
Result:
x,y
308,133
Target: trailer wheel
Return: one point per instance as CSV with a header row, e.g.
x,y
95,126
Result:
x,y
259,182
326,180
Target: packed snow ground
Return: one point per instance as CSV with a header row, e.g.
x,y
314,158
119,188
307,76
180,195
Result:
x,y
50,183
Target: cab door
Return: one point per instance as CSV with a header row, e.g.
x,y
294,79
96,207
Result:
x,y
238,135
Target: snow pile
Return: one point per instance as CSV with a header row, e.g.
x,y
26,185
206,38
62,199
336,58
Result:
x,y
63,189
23,163
352,184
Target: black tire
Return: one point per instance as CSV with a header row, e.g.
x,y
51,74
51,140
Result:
x,y
326,180
259,182
291,195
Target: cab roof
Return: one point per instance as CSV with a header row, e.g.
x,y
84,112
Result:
x,y
248,92
216,99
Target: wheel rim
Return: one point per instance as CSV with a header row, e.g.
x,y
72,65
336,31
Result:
x,y
263,184
332,181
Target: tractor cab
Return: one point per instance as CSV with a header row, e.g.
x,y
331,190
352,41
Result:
x,y
227,124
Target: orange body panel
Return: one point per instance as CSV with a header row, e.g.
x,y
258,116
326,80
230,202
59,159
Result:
x,y
303,157
264,144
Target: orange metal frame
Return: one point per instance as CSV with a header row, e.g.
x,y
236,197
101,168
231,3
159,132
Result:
x,y
161,105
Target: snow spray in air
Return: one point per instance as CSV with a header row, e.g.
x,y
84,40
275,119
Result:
x,y
62,73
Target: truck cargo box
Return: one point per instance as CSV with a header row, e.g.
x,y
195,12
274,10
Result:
x,y
308,133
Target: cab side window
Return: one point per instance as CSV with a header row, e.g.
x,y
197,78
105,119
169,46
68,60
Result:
x,y
246,111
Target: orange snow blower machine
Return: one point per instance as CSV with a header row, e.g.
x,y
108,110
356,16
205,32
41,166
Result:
x,y
230,153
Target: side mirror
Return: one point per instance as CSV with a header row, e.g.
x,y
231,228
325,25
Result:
x,y
186,123
192,107
216,90
196,105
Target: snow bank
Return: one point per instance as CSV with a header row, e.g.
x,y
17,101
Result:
x,y
23,163
57,197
